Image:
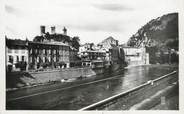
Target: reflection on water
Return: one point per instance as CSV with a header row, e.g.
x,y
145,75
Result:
x,y
76,98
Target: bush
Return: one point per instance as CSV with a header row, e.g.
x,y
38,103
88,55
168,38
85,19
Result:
x,y
22,65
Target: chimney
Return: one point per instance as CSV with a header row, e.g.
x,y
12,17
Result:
x,y
64,31
53,30
42,30
116,42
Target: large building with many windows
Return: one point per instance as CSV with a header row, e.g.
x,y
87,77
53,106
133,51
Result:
x,y
45,51
48,54
36,55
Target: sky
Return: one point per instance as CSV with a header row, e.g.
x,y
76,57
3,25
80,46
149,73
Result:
x,y
91,20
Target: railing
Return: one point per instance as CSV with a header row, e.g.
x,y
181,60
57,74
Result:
x,y
139,93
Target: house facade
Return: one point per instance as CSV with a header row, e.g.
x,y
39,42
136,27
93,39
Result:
x,y
16,54
48,54
135,55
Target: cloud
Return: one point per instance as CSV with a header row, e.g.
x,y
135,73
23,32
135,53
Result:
x,y
99,26
112,7
13,10
91,19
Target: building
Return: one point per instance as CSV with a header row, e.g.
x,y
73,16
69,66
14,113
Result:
x,y
73,57
87,46
48,54
89,56
47,50
136,56
104,54
16,54
52,49
116,55
109,43
53,36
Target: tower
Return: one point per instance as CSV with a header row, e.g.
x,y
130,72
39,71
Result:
x,y
53,30
64,31
42,30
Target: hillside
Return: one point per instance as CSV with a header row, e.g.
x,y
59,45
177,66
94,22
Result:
x,y
158,35
158,31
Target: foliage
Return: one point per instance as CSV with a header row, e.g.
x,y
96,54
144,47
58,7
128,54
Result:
x,y
174,44
158,35
159,30
21,65
75,42
60,38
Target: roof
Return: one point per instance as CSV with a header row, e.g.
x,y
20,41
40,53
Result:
x,y
56,37
50,43
109,38
16,43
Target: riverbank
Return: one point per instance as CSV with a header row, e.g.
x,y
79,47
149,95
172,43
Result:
x,y
165,99
81,93
19,79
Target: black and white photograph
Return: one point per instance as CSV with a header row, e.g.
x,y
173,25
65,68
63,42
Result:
x,y
91,55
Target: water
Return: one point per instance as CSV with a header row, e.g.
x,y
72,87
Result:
x,y
79,97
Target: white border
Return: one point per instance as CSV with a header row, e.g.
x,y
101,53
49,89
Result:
x,y
181,75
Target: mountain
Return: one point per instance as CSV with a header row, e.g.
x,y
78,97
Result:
x,y
157,32
158,35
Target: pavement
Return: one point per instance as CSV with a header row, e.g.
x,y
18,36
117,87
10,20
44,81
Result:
x,y
171,102
165,99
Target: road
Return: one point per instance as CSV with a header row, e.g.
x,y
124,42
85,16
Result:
x,y
77,95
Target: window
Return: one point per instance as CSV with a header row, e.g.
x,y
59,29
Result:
x,y
40,51
44,59
49,59
36,51
49,51
9,50
44,51
54,51
30,59
16,51
30,51
17,57
38,59
54,59
60,52
10,59
23,58
23,51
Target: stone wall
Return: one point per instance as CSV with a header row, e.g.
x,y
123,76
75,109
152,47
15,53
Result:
x,y
20,79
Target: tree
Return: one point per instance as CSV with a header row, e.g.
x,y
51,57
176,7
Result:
x,y
38,39
75,42
21,65
174,44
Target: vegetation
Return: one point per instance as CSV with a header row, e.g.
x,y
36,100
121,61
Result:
x,y
159,36
74,42
22,65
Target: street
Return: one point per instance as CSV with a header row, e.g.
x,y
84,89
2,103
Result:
x,y
73,97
